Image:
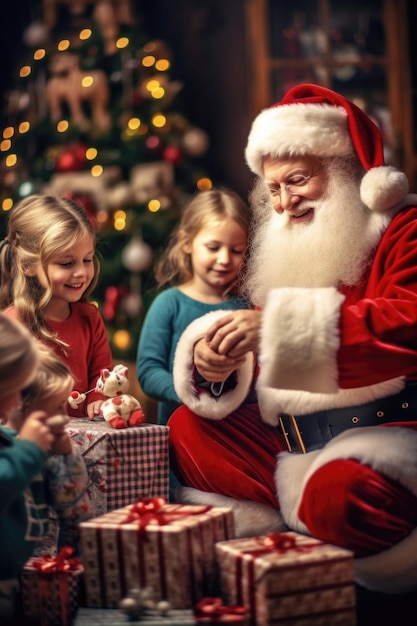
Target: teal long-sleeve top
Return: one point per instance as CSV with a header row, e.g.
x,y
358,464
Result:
x,y
168,316
23,508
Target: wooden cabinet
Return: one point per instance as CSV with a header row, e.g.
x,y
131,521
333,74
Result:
x,y
359,48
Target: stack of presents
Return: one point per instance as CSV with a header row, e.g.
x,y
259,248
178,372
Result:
x,y
147,561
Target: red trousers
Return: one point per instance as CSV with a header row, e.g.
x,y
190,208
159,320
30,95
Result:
x,y
344,502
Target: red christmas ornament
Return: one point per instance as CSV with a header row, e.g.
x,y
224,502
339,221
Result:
x,y
172,154
87,203
153,144
113,297
71,159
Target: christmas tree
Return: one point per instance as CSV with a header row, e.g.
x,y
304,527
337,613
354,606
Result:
x,y
92,112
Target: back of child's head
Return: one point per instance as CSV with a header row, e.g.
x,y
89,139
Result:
x,y
52,375
205,209
19,356
40,227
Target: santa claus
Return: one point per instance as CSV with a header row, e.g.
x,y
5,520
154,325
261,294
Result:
x,y
328,445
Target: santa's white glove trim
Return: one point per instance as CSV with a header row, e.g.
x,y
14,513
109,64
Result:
x,y
200,401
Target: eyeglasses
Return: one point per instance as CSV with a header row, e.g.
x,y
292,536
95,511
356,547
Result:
x,y
297,186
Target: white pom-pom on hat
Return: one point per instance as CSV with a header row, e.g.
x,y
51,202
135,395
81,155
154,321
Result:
x,y
383,187
314,120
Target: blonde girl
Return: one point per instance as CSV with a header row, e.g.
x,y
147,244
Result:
x,y
199,273
48,269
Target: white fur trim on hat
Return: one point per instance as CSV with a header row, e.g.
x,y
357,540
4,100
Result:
x,y
319,129
201,401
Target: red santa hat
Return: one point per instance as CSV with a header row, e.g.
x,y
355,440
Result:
x,y
311,119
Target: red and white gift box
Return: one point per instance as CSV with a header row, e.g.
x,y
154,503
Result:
x,y
169,547
50,588
288,579
123,465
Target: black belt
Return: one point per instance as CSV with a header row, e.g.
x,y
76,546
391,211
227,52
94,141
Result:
x,y
310,432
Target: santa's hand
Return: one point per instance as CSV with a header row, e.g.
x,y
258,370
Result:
x,y
212,366
236,333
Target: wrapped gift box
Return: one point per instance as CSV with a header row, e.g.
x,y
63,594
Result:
x,y
288,579
168,547
50,589
123,465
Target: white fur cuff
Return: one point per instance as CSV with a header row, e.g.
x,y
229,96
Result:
x,y
200,401
300,339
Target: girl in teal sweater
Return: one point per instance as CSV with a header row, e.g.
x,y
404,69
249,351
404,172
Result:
x,y
201,267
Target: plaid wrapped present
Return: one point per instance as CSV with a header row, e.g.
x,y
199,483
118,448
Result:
x,y
152,544
123,465
50,588
287,579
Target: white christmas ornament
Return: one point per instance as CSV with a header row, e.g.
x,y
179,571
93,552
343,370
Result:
x,y
132,304
195,141
137,255
36,34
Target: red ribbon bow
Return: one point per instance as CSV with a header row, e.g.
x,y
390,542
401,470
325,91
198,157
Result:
x,y
59,563
149,510
280,542
214,609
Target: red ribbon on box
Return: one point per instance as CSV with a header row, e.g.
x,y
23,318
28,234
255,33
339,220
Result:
x,y
213,610
60,564
279,543
149,510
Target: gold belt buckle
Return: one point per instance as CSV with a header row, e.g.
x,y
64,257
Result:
x,y
297,433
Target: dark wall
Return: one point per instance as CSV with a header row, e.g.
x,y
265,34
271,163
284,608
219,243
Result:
x,y
210,56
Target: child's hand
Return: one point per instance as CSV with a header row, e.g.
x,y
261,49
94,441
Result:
x,y
62,444
36,429
93,408
213,366
62,440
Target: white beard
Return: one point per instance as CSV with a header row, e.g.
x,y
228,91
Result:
x,y
333,249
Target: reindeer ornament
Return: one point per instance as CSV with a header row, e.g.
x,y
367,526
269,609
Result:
x,y
71,85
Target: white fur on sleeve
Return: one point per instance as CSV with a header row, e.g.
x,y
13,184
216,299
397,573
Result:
x,y
300,339
200,401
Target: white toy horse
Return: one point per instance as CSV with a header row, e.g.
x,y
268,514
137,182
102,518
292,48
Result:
x,y
121,409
